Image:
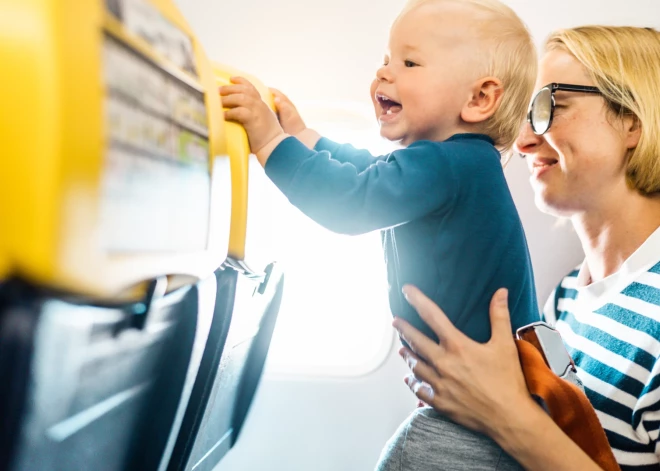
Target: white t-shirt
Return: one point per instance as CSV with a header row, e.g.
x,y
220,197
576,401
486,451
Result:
x,y
611,328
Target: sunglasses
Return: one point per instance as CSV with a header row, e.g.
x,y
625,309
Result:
x,y
542,108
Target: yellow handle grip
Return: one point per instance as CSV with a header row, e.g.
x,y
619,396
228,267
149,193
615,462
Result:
x,y
238,149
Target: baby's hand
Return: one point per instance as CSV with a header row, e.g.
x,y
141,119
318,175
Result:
x,y
247,108
287,113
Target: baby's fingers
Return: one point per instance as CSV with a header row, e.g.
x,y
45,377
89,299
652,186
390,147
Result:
x,y
241,115
238,99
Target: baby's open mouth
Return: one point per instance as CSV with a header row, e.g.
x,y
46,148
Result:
x,y
388,105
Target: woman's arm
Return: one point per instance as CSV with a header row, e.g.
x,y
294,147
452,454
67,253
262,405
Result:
x,y
538,444
481,386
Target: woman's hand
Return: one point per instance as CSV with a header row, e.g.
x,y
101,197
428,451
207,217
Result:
x,y
480,386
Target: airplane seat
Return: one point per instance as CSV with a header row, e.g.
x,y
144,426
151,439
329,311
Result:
x,y
214,297
225,386
231,369
121,248
15,344
86,375
255,359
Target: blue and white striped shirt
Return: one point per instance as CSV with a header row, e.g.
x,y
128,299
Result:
x,y
615,342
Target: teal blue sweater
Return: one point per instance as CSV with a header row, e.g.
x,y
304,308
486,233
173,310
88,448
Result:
x,y
448,223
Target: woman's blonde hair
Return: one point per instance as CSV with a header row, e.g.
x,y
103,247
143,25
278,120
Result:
x,y
510,55
624,63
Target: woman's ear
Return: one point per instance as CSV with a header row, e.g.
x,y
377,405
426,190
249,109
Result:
x,y
632,128
485,98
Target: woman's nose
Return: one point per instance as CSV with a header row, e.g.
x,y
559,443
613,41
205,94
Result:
x,y
526,140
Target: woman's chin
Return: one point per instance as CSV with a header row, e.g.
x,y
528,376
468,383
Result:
x,y
551,205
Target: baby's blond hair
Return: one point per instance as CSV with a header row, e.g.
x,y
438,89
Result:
x,y
509,54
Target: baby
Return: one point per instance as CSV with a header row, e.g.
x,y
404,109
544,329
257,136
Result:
x,y
453,91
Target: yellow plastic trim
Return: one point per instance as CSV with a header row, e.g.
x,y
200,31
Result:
x,y
238,149
52,147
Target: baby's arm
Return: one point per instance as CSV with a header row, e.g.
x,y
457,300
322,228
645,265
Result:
x,y
414,183
346,153
293,124
247,108
291,121
341,196
265,132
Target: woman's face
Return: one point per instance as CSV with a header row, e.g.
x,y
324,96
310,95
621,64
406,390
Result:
x,y
578,165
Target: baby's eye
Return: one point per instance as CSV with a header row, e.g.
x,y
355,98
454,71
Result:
x,y
408,63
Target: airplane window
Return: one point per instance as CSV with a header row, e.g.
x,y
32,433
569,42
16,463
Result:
x,y
331,280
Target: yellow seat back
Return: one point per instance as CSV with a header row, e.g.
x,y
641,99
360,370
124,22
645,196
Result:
x,y
114,164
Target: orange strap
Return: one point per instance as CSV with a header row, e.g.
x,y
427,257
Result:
x,y
567,405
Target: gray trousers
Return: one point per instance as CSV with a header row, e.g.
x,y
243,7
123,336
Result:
x,y
427,440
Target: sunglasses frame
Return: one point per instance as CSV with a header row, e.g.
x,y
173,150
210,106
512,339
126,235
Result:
x,y
553,87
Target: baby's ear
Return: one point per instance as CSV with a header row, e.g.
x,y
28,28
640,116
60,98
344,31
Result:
x,y
484,100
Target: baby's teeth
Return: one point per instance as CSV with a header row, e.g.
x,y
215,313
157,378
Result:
x,y
389,112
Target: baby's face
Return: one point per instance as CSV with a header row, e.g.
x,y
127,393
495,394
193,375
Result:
x,y
427,75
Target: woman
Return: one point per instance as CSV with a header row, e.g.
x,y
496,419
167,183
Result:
x,y
595,158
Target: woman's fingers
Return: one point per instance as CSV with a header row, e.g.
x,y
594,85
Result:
x,y
420,369
419,343
477,385
422,390
500,318
432,315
